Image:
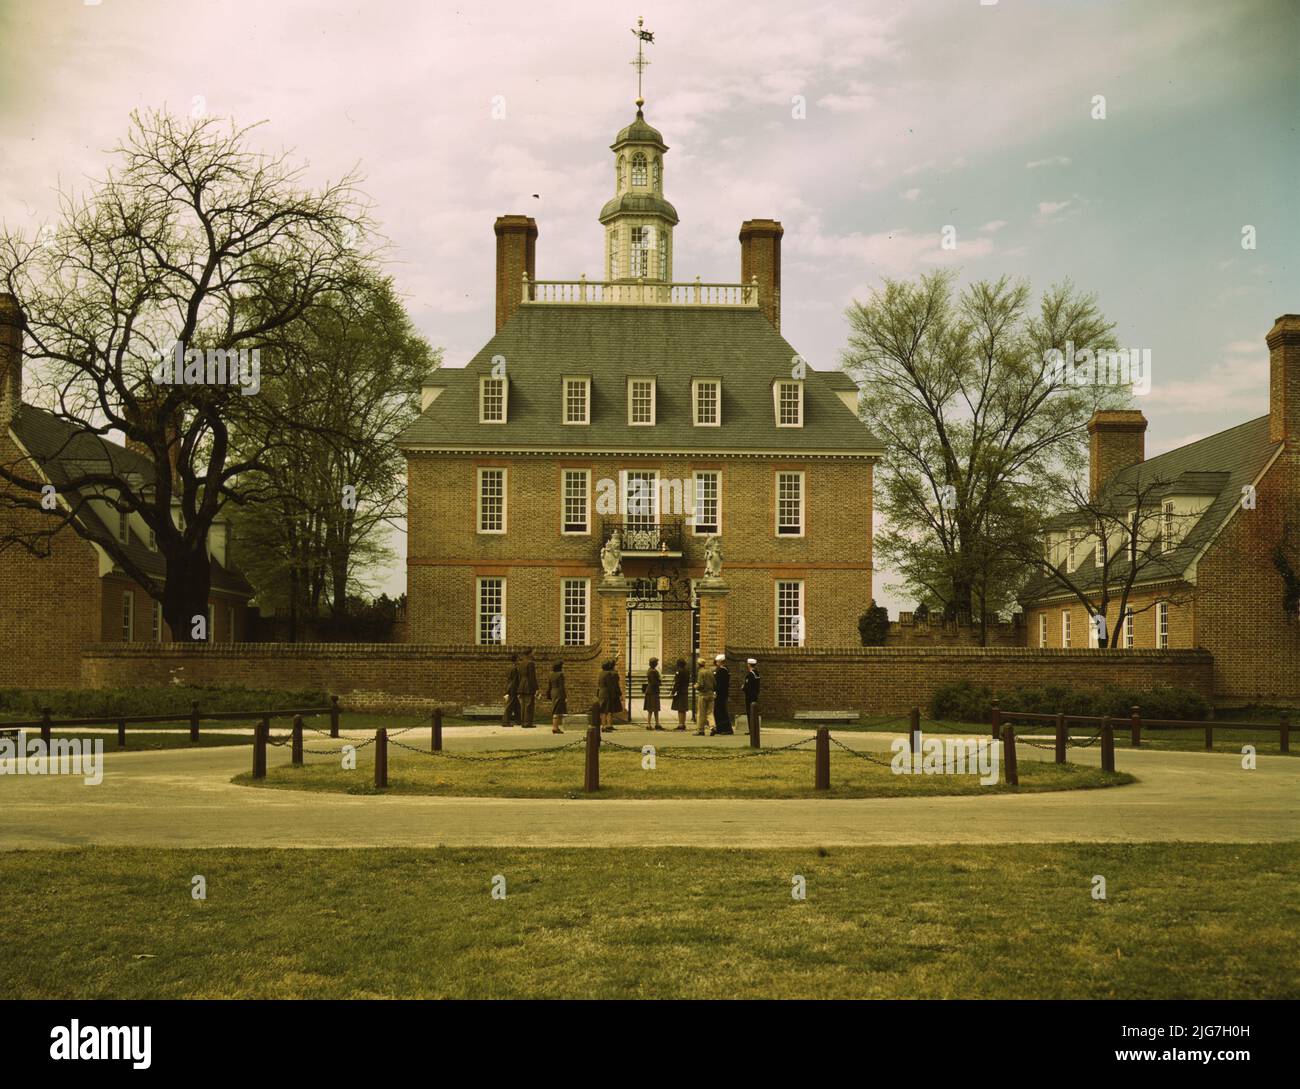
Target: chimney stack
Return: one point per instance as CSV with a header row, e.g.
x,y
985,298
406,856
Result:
x,y
516,256
1117,440
760,256
1284,380
12,321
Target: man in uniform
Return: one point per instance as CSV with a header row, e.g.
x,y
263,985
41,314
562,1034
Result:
x,y
512,692
750,686
721,689
528,689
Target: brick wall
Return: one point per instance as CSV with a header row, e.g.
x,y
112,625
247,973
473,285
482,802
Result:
x,y
885,679
446,554
907,631
1181,620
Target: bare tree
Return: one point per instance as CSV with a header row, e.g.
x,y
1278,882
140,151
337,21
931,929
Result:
x,y
171,249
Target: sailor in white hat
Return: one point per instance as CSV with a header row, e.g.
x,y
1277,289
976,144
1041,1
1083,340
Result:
x,y
721,689
750,687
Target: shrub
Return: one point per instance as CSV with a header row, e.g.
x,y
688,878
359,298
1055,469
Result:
x,y
873,625
162,700
965,701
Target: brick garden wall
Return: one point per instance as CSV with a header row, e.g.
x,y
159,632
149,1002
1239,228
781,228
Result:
x,y
892,679
400,677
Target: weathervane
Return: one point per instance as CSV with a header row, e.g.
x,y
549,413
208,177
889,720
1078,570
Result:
x,y
642,36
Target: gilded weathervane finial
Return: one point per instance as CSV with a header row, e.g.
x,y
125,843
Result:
x,y
642,36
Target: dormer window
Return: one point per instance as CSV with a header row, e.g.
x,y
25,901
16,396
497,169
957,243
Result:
x,y
1071,553
577,400
641,402
1167,526
638,169
492,395
788,395
123,527
706,397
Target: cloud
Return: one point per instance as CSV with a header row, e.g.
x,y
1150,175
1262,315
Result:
x,y
993,225
911,194
1050,209
1055,160
1234,387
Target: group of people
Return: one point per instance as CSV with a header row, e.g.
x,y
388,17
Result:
x,y
713,692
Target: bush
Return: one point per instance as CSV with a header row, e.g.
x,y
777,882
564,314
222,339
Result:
x,y
965,701
163,700
873,625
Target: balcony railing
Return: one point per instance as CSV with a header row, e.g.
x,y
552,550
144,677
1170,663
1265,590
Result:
x,y
640,293
646,538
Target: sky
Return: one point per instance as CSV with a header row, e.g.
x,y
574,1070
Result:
x,y
916,116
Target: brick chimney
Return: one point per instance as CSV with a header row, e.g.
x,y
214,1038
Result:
x,y
516,255
1117,440
12,321
760,256
1284,380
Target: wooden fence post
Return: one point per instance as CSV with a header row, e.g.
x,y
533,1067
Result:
x,y
259,748
334,716
1062,737
381,757
296,748
822,771
436,736
1284,734
194,720
1009,755
1209,736
754,726
1135,724
45,727
995,719
591,770
914,733
121,733
1107,745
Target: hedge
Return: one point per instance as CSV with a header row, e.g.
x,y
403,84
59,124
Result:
x,y
966,701
162,700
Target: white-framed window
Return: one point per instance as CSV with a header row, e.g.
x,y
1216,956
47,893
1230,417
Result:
x,y
1128,629
1167,525
575,518
128,615
641,402
1065,627
641,497
656,175
1162,625
706,401
230,623
789,613
153,540
614,271
707,517
788,395
1133,530
1072,553
642,244
575,596
1042,629
157,622
789,504
492,395
490,629
123,527
638,168
491,500
577,400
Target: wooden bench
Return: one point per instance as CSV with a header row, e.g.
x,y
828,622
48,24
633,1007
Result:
x,y
826,716
482,711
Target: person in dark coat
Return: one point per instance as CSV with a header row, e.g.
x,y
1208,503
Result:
x,y
512,692
681,692
750,685
653,680
607,695
528,689
555,693
721,689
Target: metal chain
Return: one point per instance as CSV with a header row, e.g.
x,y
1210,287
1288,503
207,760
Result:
x,y
860,754
485,759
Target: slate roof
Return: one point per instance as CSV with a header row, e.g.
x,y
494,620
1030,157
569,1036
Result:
x,y
1219,466
542,343
65,452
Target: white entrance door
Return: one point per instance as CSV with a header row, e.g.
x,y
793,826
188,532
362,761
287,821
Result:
x,y
647,643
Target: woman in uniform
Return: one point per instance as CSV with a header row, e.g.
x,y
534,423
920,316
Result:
x,y
555,693
653,679
681,692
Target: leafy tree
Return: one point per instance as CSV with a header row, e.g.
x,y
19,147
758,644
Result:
x,y
873,625
976,418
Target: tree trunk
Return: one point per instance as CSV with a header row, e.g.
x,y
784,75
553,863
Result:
x,y
185,594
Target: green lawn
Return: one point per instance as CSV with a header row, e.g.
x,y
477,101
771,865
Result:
x,y
684,773
1180,921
